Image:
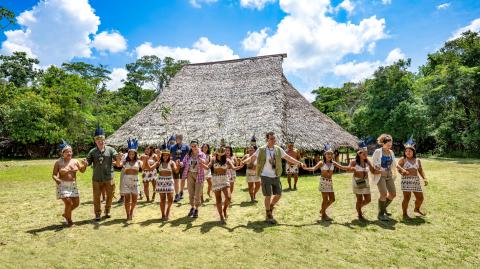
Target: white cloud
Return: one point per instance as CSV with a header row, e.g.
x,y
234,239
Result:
x,y
315,42
443,6
346,5
55,31
394,55
371,47
474,26
198,3
386,2
255,4
202,51
112,42
255,40
356,72
116,79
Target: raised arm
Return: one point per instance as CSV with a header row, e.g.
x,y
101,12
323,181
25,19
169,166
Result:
x,y
249,159
232,165
312,169
292,160
343,167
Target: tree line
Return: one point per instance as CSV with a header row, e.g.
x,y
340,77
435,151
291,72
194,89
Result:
x,y
439,104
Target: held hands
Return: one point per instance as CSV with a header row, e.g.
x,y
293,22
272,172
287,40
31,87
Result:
x,y
85,162
303,165
425,182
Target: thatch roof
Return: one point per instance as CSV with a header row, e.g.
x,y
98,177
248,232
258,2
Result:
x,y
234,99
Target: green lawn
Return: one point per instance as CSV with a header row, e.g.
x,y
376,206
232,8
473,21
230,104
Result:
x,y
32,235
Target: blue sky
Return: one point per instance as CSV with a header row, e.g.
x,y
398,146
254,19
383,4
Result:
x,y
327,42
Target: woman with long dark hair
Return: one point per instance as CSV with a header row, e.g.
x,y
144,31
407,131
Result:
x,y
208,172
327,166
165,183
221,182
410,167
129,186
253,180
361,167
149,176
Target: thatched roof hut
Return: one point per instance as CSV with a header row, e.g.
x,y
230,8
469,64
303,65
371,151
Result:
x,y
234,99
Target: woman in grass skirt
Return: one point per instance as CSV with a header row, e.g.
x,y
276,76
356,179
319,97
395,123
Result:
x,y
64,175
361,167
220,180
129,186
325,186
149,176
253,180
165,183
410,167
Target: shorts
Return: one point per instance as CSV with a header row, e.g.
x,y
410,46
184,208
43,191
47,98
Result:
x,y
271,185
386,184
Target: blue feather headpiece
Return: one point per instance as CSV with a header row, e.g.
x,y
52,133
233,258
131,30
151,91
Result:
x,y
164,148
132,144
253,141
410,143
64,146
327,148
99,133
362,145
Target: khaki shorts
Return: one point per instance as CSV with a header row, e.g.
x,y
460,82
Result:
x,y
271,185
386,184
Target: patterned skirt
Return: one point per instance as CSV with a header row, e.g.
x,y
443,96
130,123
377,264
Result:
x,y
232,175
67,189
360,186
411,183
129,184
252,176
164,184
219,182
291,169
325,185
149,176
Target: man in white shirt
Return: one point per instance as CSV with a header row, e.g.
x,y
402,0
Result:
x,y
269,169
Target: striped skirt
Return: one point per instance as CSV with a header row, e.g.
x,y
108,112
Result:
x,y
149,176
219,182
252,176
411,183
325,185
164,184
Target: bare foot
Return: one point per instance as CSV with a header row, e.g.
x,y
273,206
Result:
x,y
417,211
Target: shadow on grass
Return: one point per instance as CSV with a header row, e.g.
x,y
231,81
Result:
x,y
417,221
59,227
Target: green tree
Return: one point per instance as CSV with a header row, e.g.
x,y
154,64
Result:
x,y
18,68
7,17
97,75
151,72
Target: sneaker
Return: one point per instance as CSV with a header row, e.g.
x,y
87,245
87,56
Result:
x,y
195,214
192,210
387,213
177,198
180,197
98,218
107,215
120,201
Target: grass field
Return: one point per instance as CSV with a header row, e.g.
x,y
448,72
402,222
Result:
x,y
32,234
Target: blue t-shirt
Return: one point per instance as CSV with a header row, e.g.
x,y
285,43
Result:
x,y
178,152
386,161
